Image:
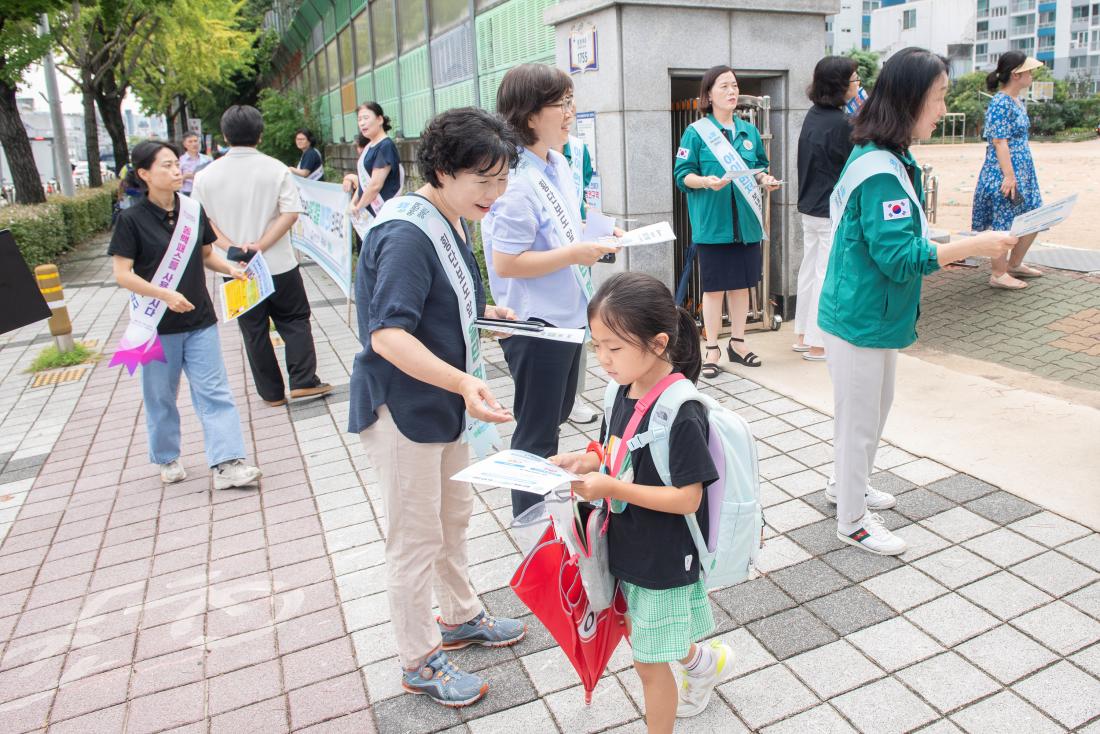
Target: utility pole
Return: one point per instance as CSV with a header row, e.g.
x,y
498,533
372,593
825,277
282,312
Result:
x,y
60,139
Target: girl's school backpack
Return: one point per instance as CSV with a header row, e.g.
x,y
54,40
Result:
x,y
736,519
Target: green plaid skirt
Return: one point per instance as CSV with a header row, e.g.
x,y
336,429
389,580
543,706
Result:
x,y
664,623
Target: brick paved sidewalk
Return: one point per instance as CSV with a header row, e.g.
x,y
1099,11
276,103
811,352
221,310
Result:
x,y
129,606
1051,328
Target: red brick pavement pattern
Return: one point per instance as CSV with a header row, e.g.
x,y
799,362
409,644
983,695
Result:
x,y
129,606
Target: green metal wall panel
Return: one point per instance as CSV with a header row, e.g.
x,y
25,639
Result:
x,y
417,109
351,127
343,13
363,91
513,33
454,95
330,24
416,76
385,81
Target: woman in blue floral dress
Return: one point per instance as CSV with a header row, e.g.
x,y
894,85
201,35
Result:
x,y
1007,185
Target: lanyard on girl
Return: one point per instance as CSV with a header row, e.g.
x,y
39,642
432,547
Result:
x,y
732,162
482,437
140,344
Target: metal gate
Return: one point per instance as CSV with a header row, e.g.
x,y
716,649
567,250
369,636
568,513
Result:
x,y
755,110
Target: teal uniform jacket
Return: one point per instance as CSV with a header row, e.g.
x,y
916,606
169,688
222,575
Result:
x,y
711,212
871,294
586,173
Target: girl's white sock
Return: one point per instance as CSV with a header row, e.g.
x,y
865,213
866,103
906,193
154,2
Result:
x,y
702,663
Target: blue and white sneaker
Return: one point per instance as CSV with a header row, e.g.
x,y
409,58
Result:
x,y
445,684
484,630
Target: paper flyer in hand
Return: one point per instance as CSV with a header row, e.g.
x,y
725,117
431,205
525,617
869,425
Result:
x,y
516,470
747,173
240,296
654,234
360,221
523,328
1042,218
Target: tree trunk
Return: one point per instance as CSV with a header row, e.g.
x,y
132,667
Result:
x,y
13,138
110,109
109,99
170,122
91,137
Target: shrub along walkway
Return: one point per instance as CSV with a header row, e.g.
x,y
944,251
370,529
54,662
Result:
x,y
130,606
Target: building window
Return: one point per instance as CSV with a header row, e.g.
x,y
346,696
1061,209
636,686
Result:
x,y
381,23
446,14
909,20
998,12
1046,42
1078,62
1081,12
360,25
981,49
347,55
410,18
998,35
332,52
1023,44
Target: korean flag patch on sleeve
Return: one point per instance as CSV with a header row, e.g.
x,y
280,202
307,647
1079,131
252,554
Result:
x,y
896,210
683,153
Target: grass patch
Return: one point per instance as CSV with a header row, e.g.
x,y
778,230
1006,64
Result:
x,y
49,358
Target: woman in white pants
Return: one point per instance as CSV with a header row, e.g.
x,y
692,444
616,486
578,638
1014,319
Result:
x,y
823,148
871,295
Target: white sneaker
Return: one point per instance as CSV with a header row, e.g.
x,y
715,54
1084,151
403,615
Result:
x,y
876,500
235,473
872,535
695,690
581,413
172,472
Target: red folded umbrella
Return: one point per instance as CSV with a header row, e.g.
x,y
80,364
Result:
x,y
549,583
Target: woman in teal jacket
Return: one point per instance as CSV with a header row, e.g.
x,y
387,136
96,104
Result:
x,y
870,300
726,210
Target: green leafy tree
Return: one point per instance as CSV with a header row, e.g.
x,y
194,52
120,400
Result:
x,y
199,44
284,113
967,95
867,64
20,46
101,41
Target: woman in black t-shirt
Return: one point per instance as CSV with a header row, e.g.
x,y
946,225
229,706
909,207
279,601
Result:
x,y
378,175
412,387
187,330
310,163
823,148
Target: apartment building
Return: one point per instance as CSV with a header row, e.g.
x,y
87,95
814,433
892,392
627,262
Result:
x,y
1063,34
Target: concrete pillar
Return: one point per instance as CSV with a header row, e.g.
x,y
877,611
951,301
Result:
x,y
643,48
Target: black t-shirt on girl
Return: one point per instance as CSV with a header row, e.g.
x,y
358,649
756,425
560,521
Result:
x,y
142,234
651,549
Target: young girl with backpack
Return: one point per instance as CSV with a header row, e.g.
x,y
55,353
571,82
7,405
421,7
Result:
x,y
643,342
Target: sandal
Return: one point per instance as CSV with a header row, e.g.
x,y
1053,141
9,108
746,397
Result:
x,y
711,369
1007,282
800,347
1024,271
749,360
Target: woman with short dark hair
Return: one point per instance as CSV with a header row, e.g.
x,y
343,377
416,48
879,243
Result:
x,y
538,265
870,300
714,167
419,399
1007,185
310,165
166,229
823,148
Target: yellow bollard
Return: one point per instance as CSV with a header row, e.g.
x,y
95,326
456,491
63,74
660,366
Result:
x,y
49,284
